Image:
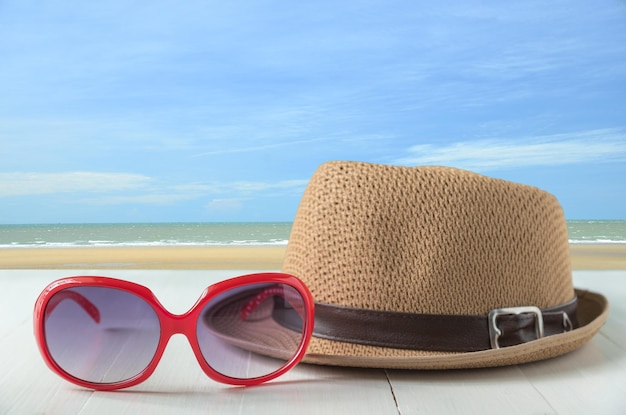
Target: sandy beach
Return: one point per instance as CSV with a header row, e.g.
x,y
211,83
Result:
x,y
170,257
584,257
598,256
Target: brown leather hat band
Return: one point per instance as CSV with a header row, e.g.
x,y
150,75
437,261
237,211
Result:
x,y
446,333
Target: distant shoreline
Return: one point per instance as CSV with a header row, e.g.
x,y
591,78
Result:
x,y
221,234
594,256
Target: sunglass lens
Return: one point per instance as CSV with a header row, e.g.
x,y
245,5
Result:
x,y
100,335
252,331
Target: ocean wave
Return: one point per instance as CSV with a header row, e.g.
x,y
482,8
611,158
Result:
x,y
139,244
596,241
221,234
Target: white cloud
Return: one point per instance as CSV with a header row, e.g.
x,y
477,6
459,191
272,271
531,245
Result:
x,y
102,189
233,193
143,199
243,187
264,186
258,148
24,183
224,205
559,149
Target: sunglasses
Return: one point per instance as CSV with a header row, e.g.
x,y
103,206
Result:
x,y
105,333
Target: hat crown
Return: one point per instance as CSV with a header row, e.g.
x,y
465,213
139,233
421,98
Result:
x,y
428,240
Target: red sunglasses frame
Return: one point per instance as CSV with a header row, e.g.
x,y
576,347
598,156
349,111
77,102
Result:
x,y
172,324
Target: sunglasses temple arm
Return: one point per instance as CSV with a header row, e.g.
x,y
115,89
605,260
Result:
x,y
79,299
258,299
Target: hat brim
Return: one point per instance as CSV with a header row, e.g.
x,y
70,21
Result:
x,y
593,310
259,333
267,337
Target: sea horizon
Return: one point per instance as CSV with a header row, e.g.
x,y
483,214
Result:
x,y
60,235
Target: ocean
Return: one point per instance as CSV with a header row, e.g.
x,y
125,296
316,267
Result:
x,y
220,234
144,234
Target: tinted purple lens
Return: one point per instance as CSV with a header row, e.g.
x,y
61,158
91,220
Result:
x,y
101,335
252,331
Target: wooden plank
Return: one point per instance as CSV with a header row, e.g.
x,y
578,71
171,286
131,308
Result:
x,y
26,384
483,391
589,380
612,284
178,384
592,379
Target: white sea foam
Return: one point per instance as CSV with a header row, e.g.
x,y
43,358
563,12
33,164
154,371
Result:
x,y
220,234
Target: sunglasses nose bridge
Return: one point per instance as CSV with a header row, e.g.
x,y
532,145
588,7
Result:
x,y
179,324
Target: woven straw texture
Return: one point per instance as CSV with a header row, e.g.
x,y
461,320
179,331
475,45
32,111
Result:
x,y
432,240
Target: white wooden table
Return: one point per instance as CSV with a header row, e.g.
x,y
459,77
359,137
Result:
x,y
591,380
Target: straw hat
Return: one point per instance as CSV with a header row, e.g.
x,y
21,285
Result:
x,y
435,268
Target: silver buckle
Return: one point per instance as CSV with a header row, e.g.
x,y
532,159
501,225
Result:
x,y
495,332
567,323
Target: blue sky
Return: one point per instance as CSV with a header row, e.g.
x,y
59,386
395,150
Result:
x,y
221,111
